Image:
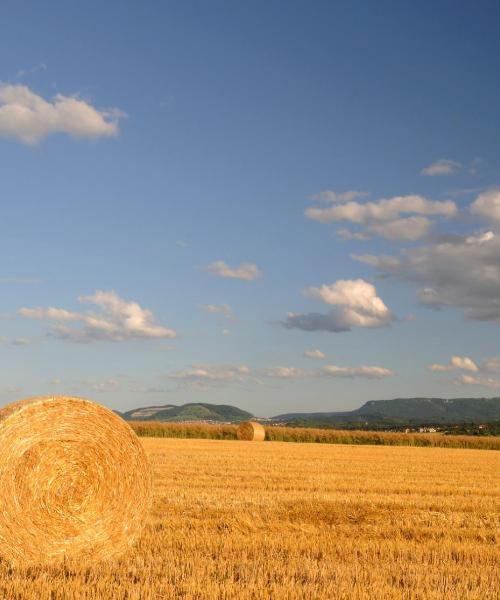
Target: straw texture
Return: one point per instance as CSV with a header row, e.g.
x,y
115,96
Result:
x,y
74,481
251,432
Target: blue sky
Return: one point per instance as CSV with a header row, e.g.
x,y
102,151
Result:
x,y
267,180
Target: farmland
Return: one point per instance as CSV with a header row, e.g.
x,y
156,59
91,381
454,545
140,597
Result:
x,y
320,436
288,521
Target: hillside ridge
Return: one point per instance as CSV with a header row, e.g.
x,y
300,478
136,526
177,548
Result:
x,y
398,410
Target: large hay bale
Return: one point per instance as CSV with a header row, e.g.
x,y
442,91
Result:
x,y
251,431
74,481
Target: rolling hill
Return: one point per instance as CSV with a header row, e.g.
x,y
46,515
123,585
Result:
x,y
405,410
376,413
188,412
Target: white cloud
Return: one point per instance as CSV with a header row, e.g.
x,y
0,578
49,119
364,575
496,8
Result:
x,y
367,372
463,363
360,305
477,375
382,210
29,118
117,321
487,205
480,238
461,272
55,381
438,367
245,271
222,309
385,217
316,354
330,197
364,371
481,381
357,306
204,376
285,372
444,166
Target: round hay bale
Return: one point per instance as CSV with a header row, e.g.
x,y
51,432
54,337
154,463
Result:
x,y
74,481
251,432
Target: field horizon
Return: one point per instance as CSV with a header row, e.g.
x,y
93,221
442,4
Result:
x,y
318,436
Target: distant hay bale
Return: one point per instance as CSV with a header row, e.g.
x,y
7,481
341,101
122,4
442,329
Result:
x,y
251,431
74,481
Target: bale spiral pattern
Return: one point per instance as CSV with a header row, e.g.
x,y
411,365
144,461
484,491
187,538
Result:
x,y
74,481
251,432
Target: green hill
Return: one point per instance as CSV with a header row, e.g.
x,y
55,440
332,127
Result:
x,y
188,412
412,411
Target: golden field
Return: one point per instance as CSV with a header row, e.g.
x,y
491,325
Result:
x,y
241,520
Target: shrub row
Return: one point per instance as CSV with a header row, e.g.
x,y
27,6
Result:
x,y
318,436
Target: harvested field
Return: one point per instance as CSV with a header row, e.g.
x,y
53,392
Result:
x,y
287,521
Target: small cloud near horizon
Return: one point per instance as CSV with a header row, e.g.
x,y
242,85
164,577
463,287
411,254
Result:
x,y
244,271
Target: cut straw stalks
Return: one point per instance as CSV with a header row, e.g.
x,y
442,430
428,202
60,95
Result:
x,y
75,481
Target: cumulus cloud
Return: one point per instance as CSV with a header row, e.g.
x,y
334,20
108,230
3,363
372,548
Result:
x,y
487,205
245,271
444,166
476,374
221,309
29,118
316,354
118,320
356,302
457,362
397,218
482,381
464,362
462,272
367,372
